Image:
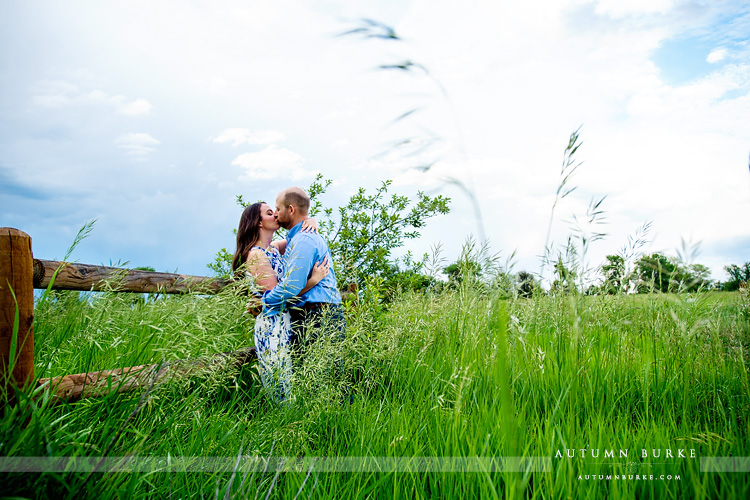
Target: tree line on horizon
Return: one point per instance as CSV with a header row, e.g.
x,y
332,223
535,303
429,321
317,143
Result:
x,y
651,273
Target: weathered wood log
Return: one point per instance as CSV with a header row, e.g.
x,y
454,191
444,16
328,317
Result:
x,y
16,308
71,388
85,277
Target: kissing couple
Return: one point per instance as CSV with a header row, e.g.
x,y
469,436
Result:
x,y
296,287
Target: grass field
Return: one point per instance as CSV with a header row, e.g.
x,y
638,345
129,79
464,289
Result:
x,y
437,379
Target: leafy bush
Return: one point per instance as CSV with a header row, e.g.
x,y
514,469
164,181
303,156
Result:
x,y
657,272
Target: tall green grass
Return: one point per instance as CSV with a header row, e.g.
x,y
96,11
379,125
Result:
x,y
458,373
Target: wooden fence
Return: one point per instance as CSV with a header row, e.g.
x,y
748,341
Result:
x,y
20,273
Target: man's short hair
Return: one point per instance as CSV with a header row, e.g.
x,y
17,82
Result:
x,y
299,199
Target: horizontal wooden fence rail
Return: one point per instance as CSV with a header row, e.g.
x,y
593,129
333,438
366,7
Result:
x,y
85,277
71,388
20,273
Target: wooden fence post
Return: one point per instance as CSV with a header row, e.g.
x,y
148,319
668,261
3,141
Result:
x,y
16,274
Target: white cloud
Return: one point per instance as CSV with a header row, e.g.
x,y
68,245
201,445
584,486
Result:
x,y
137,145
53,93
58,94
214,84
716,55
271,163
620,8
239,136
136,107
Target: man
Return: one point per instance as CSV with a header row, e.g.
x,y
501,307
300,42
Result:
x,y
320,307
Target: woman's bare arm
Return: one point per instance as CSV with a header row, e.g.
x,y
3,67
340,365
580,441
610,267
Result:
x,y
260,268
280,245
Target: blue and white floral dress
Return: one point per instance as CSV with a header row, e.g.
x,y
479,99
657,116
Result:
x,y
272,335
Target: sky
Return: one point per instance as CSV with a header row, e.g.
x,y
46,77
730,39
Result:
x,y
151,117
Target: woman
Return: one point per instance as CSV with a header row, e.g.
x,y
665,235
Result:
x,y
262,260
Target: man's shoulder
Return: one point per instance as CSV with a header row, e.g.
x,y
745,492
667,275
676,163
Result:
x,y
308,236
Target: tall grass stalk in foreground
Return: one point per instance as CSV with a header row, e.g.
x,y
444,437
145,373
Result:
x,y
569,165
441,375
420,149
82,234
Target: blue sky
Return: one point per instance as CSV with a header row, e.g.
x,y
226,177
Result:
x,y
152,117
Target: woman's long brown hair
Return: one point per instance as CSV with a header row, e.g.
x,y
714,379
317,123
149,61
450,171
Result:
x,y
247,233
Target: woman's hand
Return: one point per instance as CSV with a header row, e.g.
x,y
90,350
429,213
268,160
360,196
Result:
x,y
310,225
254,306
319,271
